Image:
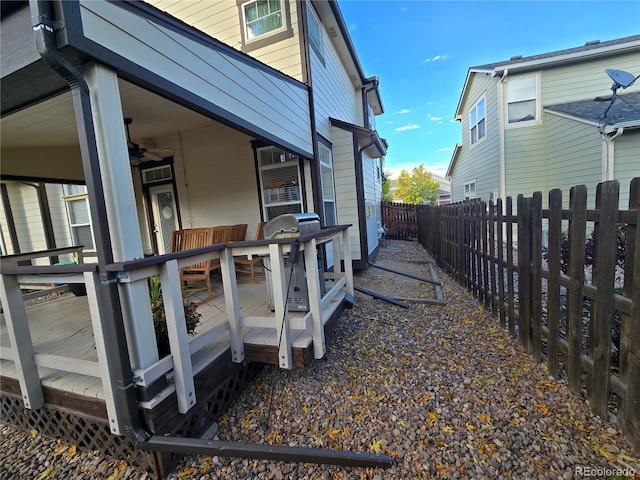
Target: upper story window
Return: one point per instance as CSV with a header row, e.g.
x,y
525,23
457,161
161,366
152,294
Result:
x,y
262,17
328,189
315,30
263,23
522,99
478,122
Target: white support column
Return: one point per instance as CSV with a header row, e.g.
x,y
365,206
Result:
x,y
122,214
15,317
232,304
109,386
280,279
178,338
313,286
348,266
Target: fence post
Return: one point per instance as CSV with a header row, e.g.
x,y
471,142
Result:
x,y
501,265
510,288
492,257
535,258
553,286
603,278
630,329
577,233
524,272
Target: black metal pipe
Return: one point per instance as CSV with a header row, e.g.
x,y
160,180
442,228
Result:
x,y
373,294
416,277
322,456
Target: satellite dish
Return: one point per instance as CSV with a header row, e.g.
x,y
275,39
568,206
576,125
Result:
x,y
620,78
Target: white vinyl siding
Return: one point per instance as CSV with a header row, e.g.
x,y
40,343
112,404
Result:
x,y
372,193
220,19
344,174
626,162
264,99
480,162
333,92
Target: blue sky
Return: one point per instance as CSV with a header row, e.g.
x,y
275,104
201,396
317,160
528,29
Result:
x,y
422,49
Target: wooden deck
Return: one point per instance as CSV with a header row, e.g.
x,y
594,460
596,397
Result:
x,y
63,327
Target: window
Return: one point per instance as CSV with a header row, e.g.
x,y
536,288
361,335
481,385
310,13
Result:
x,y
328,190
315,30
262,17
280,182
79,216
522,99
470,190
478,122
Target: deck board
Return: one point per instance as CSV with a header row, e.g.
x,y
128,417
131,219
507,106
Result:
x,y
63,327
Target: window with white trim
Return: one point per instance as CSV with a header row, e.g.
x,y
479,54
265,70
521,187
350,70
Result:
x,y
522,99
315,30
262,17
328,188
470,190
478,122
79,216
279,182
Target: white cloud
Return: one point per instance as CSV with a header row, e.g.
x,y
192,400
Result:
x,y
447,149
437,58
411,126
434,119
403,111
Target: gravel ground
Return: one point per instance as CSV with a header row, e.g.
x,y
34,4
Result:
x,y
440,388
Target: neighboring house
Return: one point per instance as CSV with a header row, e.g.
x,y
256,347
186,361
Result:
x,y
239,112
538,123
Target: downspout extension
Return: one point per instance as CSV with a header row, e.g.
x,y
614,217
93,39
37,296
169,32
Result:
x,y
44,28
608,164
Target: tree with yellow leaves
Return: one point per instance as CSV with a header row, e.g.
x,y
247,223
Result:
x,y
419,187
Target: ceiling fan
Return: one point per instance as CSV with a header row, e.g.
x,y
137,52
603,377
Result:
x,y
137,153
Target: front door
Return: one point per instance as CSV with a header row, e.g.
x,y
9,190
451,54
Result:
x,y
165,218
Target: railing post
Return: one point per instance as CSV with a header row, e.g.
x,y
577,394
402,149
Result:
x,y
232,304
178,338
348,265
18,328
313,287
280,294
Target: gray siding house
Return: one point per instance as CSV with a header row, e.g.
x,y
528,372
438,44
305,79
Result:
x,y
538,123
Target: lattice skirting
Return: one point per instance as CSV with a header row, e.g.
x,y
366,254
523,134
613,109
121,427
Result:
x,y
86,434
90,434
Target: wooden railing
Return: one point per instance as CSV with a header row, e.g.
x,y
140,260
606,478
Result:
x,y
564,313
183,349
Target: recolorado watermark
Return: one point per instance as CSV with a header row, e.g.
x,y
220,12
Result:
x,y
603,472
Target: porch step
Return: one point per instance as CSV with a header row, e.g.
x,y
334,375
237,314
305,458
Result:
x,y
261,345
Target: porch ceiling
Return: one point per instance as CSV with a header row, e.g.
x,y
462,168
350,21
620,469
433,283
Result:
x,y
32,139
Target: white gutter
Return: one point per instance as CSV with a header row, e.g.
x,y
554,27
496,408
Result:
x,y
608,154
502,188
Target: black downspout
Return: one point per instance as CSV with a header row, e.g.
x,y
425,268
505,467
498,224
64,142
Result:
x,y
44,27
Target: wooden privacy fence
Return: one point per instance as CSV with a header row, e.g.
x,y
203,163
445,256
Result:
x,y
400,220
574,301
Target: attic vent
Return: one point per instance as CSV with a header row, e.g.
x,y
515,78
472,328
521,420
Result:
x,y
592,42
332,32
516,57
